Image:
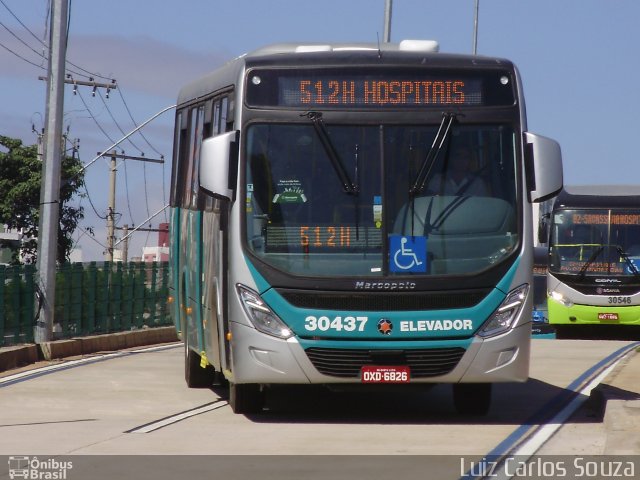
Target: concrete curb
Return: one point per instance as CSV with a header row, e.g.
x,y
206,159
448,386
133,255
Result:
x,y
19,356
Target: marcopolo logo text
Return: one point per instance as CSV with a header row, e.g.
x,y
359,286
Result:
x,y
385,285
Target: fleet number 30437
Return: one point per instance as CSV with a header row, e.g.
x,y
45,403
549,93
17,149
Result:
x,y
339,323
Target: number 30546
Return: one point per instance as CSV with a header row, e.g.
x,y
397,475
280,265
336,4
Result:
x,y
620,300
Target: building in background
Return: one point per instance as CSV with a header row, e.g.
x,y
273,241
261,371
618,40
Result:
x,y
10,241
159,253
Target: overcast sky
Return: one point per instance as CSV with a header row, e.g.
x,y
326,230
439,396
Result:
x,y
579,61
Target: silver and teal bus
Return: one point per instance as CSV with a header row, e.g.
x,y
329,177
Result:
x,y
594,261
315,234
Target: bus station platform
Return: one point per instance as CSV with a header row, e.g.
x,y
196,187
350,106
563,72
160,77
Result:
x,y
617,400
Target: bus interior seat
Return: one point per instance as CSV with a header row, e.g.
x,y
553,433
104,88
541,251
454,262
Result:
x,y
459,229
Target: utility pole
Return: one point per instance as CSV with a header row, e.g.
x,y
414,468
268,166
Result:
x,y
40,153
388,6
125,238
475,27
125,247
111,226
136,229
50,189
112,207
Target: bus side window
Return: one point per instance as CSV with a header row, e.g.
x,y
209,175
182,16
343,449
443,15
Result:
x,y
224,112
196,125
207,130
216,117
178,165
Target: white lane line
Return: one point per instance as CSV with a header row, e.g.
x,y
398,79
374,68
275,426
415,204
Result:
x,y
150,427
53,368
545,432
65,364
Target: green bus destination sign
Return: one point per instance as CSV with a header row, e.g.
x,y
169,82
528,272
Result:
x,y
361,88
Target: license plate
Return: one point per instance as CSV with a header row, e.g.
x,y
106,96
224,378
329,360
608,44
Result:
x,y
385,374
608,316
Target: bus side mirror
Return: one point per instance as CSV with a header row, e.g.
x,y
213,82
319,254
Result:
x,y
543,229
219,165
543,163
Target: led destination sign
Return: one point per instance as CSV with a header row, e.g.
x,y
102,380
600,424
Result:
x,y
605,219
345,91
376,89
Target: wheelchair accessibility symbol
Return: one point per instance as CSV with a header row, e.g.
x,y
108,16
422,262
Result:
x,y
408,254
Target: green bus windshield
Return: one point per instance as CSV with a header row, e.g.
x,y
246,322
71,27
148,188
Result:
x,y
595,242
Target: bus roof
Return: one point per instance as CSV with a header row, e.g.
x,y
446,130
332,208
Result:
x,y
418,52
598,196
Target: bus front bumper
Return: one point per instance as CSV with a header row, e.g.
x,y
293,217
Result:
x,y
260,358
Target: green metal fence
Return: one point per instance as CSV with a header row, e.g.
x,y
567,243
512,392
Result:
x,y
17,309
91,298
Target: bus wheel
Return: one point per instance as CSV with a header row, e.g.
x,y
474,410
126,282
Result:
x,y
245,397
472,398
194,374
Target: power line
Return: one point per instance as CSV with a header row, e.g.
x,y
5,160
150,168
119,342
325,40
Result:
x,y
101,217
20,22
146,192
118,125
94,118
21,57
164,194
126,184
41,55
135,124
87,73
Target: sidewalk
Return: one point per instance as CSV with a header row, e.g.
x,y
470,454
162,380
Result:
x,y
21,355
620,397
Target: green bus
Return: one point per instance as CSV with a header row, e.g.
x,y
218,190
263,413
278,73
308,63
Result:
x,y
594,261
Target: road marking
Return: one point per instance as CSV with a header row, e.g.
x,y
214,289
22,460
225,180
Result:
x,y
543,434
532,434
67,364
163,422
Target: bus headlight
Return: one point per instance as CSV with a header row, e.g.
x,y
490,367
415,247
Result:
x,y
260,315
502,319
558,297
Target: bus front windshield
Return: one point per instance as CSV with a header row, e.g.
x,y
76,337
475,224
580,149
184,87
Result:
x,y
373,200
595,242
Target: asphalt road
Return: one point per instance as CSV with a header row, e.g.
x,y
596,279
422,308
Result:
x,y
136,403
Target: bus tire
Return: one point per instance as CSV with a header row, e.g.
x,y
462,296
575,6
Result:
x,y
245,397
472,398
194,374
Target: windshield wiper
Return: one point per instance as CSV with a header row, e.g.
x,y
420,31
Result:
x,y
591,259
624,255
321,130
444,132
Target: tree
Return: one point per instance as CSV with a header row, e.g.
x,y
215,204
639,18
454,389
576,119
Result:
x,y
20,182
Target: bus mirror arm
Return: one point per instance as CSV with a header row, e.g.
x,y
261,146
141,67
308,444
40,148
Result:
x,y
219,165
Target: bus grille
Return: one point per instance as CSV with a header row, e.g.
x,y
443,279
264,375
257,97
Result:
x,y
383,301
347,363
